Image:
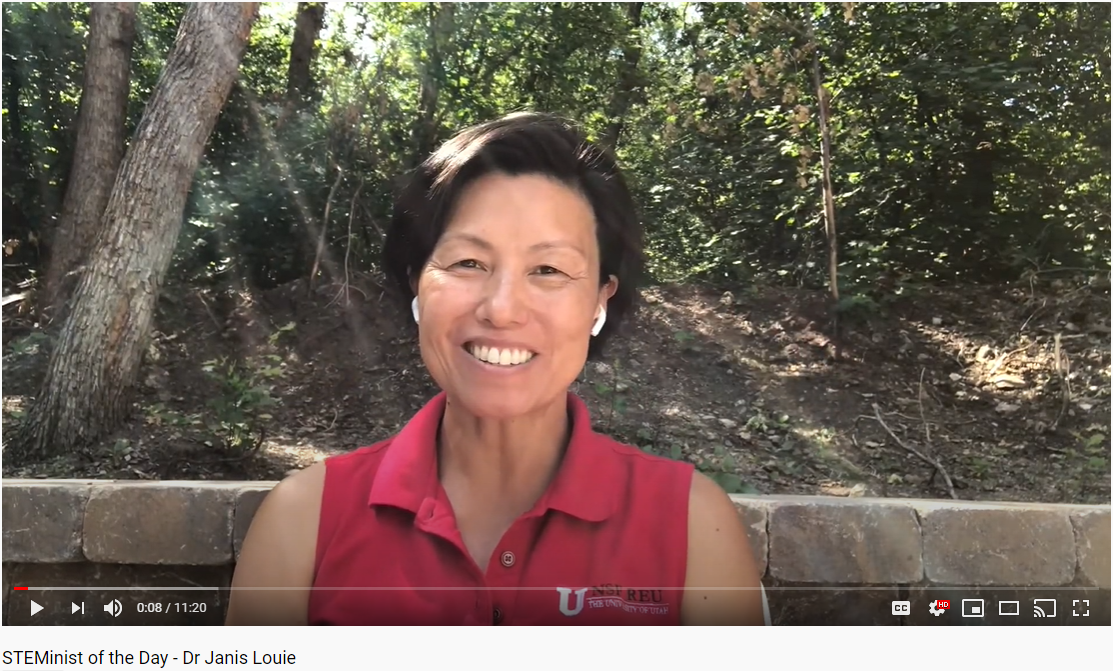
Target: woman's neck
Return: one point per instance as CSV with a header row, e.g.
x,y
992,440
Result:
x,y
507,460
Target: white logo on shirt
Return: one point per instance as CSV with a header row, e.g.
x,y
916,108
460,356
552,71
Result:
x,y
566,592
634,601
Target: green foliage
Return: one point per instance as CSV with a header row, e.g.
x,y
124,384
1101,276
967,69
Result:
x,y
856,308
970,141
245,393
723,470
43,53
30,344
239,407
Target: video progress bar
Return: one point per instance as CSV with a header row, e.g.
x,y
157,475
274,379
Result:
x,y
458,588
118,589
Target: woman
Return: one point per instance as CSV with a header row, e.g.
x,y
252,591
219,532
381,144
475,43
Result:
x,y
497,503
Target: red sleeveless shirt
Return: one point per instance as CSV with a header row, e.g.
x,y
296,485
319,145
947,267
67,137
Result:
x,y
606,543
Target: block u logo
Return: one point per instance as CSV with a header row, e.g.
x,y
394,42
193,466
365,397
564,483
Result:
x,y
566,592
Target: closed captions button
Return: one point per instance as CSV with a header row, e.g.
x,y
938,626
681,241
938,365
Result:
x,y
902,607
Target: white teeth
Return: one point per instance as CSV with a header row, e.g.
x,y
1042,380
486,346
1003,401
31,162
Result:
x,y
497,357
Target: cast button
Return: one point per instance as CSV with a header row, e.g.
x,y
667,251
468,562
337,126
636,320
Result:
x,y
508,559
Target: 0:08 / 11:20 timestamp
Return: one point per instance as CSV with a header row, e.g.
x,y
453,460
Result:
x,y
173,607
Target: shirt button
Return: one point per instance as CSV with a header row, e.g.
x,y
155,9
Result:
x,y
497,616
508,559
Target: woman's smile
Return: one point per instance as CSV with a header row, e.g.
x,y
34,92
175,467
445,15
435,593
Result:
x,y
500,357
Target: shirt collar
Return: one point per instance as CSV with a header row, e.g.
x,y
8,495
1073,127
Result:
x,y
586,485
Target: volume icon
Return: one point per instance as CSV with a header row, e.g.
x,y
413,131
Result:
x,y
114,608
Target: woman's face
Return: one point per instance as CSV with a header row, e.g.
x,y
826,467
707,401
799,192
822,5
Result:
x,y
509,295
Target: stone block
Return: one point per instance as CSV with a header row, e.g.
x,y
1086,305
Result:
x,y
43,522
755,517
872,543
248,501
171,606
1091,536
831,606
986,546
159,524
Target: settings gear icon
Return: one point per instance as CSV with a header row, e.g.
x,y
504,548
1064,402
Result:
x,y
935,611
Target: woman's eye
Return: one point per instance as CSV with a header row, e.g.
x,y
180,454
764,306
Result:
x,y
547,270
468,263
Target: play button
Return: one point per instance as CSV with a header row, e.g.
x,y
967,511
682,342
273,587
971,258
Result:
x,y
35,608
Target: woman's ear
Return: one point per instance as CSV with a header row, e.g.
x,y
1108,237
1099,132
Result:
x,y
608,290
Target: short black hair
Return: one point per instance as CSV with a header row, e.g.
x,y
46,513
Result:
x,y
523,143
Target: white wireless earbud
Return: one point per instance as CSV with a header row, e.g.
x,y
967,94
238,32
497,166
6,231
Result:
x,y
413,306
599,321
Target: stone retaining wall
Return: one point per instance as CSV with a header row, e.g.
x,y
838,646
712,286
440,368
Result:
x,y
824,560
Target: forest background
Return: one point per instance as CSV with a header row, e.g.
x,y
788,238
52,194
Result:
x,y
878,234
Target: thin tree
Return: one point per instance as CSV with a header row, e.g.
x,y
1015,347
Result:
x,y
441,24
624,90
99,147
303,47
94,366
822,97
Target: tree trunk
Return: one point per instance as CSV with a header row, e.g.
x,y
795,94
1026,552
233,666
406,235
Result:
x,y
299,77
441,18
973,243
99,147
627,78
828,193
96,361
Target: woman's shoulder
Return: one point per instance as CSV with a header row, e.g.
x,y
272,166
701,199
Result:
x,y
359,463
647,481
361,455
303,490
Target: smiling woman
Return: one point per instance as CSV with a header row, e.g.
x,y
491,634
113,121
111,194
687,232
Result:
x,y
518,245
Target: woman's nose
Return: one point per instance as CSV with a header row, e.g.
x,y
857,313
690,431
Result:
x,y
504,302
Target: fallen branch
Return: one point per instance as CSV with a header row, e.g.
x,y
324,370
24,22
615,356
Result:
x,y
212,315
1001,361
1066,269
933,462
1062,370
920,402
13,298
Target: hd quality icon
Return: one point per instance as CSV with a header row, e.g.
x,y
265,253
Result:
x,y
938,607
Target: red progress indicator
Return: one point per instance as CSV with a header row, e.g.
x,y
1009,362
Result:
x,y
20,588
